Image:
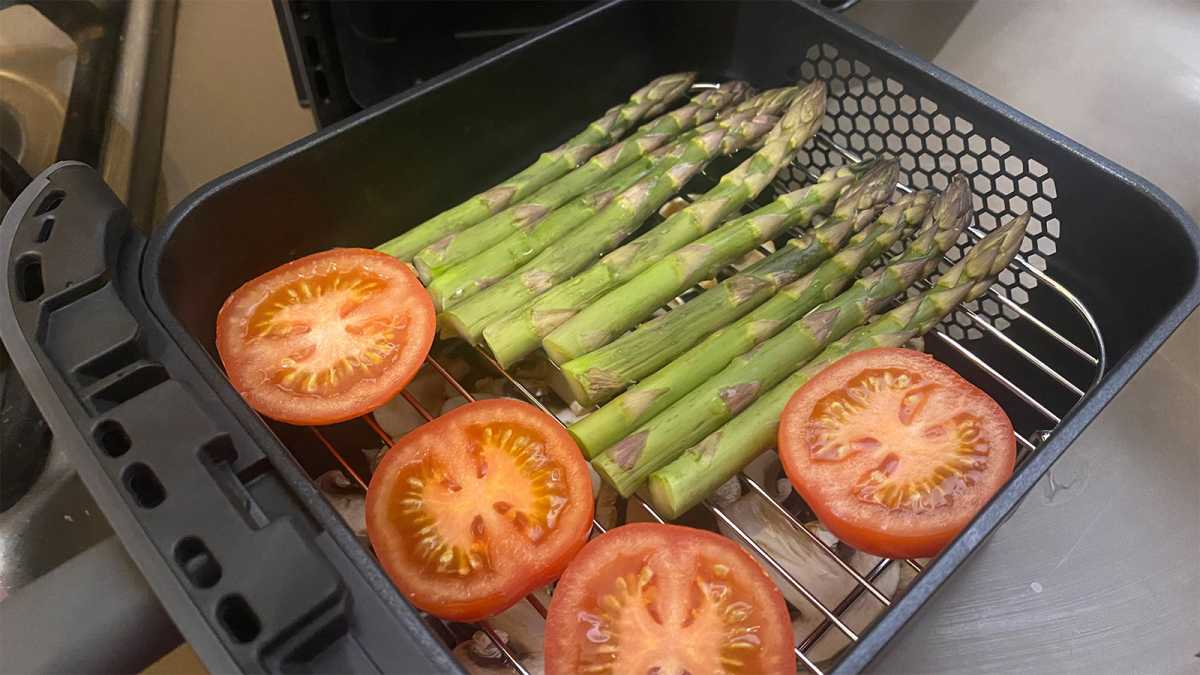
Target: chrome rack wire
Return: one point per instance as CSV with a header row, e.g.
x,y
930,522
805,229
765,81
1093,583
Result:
x,y
864,583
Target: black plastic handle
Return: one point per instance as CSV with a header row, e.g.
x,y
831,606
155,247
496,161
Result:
x,y
251,578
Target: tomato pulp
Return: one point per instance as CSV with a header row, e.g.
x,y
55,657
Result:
x,y
894,451
651,598
326,338
472,511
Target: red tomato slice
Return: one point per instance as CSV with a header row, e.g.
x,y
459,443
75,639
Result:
x,y
650,598
895,452
472,511
326,338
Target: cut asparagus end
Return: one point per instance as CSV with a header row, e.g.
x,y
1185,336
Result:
x,y
453,326
672,497
609,465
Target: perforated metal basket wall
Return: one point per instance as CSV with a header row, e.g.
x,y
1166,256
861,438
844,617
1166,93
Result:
x,y
870,114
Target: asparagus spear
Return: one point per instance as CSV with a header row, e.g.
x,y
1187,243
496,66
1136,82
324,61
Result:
x,y
456,247
651,98
597,376
721,397
488,267
680,485
518,334
605,230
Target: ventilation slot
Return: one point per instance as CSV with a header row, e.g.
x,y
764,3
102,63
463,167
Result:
x,y
109,362
111,438
49,203
238,619
47,228
144,486
29,278
132,384
197,562
218,456
219,450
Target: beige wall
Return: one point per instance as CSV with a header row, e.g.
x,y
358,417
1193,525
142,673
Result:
x,y
232,98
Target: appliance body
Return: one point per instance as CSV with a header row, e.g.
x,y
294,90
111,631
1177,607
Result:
x,y
114,333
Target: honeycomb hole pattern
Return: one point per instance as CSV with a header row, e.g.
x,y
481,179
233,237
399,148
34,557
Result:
x,y
872,116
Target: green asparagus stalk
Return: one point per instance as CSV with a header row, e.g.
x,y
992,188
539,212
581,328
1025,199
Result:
x,y
488,267
627,463
683,483
520,333
650,99
615,222
599,375
457,247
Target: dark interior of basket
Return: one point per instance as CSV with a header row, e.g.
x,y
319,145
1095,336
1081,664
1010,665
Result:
x,y
1038,341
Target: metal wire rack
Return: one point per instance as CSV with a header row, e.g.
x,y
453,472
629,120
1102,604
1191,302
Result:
x,y
1092,360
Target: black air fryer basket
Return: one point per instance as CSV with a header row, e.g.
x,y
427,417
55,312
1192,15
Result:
x,y
114,334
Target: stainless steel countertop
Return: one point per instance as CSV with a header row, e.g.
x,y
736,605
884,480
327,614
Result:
x,y
1099,569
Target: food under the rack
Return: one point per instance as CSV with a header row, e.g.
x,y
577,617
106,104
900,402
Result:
x,y
652,598
327,337
700,469
645,102
477,508
894,451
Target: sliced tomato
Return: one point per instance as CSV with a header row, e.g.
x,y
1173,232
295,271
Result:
x,y
651,598
472,511
326,338
894,451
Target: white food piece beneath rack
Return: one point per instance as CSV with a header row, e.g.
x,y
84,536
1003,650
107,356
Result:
x,y
347,499
813,568
522,629
458,401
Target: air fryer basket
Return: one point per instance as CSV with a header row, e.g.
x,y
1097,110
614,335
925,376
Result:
x,y
115,335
